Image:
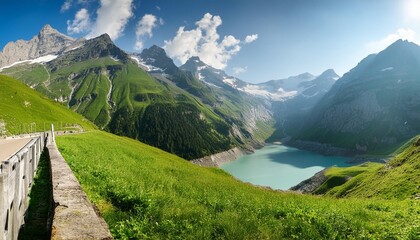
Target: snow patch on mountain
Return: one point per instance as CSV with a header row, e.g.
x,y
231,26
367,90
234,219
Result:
x,y
200,77
115,59
146,67
43,59
230,81
279,95
73,48
387,69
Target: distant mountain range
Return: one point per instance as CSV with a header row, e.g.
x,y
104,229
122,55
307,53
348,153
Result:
x,y
196,110
163,106
373,107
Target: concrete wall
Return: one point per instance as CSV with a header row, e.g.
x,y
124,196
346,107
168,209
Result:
x,y
16,177
74,215
218,159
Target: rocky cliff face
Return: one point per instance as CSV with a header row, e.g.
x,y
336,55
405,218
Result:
x,y
48,41
373,107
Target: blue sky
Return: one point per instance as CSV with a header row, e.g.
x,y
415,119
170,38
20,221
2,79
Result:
x,y
284,37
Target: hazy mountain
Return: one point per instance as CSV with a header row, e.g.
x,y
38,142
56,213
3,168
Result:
x,y
291,113
374,106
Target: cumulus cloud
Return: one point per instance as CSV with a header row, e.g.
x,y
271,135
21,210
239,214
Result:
x,y
251,38
144,29
204,42
66,6
239,70
402,33
81,22
112,17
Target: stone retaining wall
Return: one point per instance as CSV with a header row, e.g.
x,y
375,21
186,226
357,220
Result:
x,y
74,215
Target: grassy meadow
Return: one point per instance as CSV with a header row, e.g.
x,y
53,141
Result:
x,y
145,193
24,110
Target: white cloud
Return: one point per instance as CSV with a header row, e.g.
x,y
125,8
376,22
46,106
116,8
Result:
x,y
144,29
204,42
402,33
239,70
112,17
251,38
81,22
66,6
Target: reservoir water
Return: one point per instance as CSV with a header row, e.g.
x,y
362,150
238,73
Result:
x,y
280,167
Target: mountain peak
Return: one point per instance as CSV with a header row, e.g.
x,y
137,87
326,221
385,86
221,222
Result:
x,y
153,51
48,30
104,37
194,58
194,62
400,45
330,73
47,27
156,56
305,75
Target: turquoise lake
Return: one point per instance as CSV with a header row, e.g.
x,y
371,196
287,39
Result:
x,y
280,167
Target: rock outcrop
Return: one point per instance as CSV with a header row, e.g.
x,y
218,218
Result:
x,y
311,184
47,41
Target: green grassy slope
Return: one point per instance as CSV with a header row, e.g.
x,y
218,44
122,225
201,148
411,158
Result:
x,y
398,179
337,176
25,110
177,113
84,84
145,193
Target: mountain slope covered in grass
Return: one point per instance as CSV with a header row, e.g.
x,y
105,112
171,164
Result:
x,y
397,179
143,192
25,110
173,111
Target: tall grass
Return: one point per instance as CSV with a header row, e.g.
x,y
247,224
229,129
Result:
x,y
145,193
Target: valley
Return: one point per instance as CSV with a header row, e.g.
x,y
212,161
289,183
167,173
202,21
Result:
x,y
149,122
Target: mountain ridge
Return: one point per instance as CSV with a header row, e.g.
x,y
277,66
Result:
x,y
171,110
47,42
374,106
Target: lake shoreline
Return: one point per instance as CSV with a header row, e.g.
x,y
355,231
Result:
x,y
217,159
329,150
279,166
305,186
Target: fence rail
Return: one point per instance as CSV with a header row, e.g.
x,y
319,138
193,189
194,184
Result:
x,y
16,177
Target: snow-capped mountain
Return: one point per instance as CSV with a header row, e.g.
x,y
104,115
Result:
x,y
274,90
47,42
211,76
